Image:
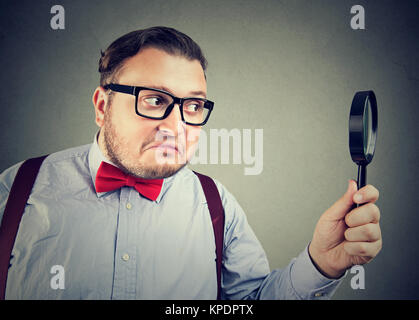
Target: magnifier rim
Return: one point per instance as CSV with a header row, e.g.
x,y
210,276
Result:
x,y
356,127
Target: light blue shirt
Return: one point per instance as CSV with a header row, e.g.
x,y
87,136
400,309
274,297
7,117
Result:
x,y
120,245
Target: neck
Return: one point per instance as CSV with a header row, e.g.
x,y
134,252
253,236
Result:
x,y
101,143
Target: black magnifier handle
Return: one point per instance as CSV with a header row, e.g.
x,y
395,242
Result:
x,y
362,178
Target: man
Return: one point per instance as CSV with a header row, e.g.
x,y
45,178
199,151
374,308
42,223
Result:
x,y
124,244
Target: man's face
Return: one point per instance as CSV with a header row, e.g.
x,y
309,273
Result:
x,y
135,144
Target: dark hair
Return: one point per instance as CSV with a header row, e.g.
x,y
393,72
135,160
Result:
x,y
167,39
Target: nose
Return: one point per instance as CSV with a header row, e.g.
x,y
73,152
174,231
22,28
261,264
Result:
x,y
173,124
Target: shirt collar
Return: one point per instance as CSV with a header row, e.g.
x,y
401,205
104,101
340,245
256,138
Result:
x,y
95,158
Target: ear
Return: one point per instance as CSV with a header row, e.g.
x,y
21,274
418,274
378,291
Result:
x,y
100,102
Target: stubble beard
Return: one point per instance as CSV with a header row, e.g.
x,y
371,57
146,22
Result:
x,y
116,150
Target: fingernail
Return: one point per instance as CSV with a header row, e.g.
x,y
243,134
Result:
x,y
358,197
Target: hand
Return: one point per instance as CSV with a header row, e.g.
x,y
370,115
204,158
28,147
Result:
x,y
345,236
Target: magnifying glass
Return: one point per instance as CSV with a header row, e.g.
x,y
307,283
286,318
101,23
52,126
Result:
x,y
363,132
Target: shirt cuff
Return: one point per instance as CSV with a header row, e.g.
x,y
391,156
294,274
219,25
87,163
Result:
x,y
308,282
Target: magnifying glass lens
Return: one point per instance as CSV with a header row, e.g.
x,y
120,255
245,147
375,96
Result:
x,y
367,127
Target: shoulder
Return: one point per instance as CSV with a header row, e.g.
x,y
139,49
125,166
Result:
x,y
232,210
8,176
67,156
189,176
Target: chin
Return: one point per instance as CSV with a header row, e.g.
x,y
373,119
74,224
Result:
x,y
151,167
161,171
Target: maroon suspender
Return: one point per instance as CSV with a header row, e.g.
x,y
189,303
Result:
x,y
22,187
215,207
18,196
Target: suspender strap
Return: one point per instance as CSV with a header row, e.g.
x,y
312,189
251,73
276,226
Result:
x,y
18,196
215,207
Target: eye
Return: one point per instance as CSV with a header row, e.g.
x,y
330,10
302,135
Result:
x,y
154,101
193,106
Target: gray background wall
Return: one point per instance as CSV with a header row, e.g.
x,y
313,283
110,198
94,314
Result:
x,y
300,60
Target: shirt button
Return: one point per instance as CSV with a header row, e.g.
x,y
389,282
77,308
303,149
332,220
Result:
x,y
125,257
318,294
129,206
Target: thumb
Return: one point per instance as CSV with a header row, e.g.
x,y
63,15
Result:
x,y
341,207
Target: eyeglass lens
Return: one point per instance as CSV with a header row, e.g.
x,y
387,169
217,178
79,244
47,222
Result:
x,y
154,104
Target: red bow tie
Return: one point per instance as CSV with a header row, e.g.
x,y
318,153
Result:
x,y
109,178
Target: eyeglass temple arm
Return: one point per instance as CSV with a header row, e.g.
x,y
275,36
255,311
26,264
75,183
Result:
x,y
121,88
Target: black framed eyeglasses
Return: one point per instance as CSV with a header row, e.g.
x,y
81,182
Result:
x,y
158,104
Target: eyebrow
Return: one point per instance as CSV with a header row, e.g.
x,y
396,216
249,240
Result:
x,y
191,93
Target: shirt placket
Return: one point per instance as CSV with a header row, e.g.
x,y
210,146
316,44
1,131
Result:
x,y
125,270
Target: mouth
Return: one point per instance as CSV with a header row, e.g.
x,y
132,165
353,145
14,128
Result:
x,y
167,147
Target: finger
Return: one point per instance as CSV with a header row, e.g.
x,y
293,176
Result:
x,y
368,213
363,249
370,232
366,194
341,207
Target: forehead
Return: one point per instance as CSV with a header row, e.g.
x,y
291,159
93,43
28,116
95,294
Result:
x,y
155,67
